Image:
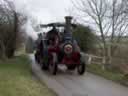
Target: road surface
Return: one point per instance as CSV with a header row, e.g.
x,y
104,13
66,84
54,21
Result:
x,y
71,84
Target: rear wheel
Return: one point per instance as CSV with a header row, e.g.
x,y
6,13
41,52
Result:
x,y
37,58
53,64
44,63
44,66
81,69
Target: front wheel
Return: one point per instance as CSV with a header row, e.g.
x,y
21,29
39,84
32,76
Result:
x,y
81,69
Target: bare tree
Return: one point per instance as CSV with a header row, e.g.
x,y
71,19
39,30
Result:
x,y
119,26
11,22
96,12
4,25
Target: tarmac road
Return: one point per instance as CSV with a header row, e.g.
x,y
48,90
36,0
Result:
x,y
71,84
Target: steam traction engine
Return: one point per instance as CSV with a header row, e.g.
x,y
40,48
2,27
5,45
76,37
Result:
x,y
60,48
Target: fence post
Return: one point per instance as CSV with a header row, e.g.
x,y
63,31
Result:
x,y
103,63
89,59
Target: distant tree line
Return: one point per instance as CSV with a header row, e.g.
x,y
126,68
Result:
x,y
85,37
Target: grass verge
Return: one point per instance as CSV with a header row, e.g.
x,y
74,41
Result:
x,y
109,74
17,80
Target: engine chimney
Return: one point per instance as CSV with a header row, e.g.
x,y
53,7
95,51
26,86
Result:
x,y
68,20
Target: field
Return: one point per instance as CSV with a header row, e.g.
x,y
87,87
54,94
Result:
x,y
16,79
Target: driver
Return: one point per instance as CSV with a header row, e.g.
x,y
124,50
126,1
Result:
x,y
53,40
53,36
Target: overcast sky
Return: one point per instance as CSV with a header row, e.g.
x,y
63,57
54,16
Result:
x,y
44,10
